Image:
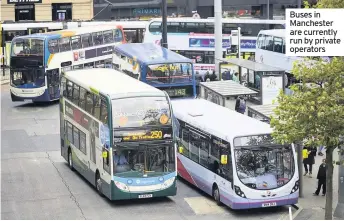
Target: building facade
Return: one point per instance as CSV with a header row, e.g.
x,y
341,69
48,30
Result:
x,y
122,9
46,10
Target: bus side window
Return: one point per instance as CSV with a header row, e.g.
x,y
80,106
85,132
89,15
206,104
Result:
x,y
64,44
214,157
76,94
86,40
108,36
204,153
103,112
53,46
82,138
76,42
96,106
63,86
76,137
195,144
82,97
69,132
97,38
89,103
185,142
260,41
69,90
277,47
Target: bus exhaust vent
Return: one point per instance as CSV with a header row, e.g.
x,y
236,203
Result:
x,y
195,114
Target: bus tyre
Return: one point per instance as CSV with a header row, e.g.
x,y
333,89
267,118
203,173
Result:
x,y
99,184
216,195
70,159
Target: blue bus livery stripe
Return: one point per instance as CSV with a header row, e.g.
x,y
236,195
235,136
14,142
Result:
x,y
136,181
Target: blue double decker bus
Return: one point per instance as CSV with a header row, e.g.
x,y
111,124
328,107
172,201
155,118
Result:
x,y
158,67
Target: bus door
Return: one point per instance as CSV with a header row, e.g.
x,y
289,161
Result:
x,y
225,178
53,83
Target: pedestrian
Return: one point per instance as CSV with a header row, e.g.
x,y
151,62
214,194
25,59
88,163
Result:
x,y
213,76
240,105
321,178
308,154
207,76
321,147
236,77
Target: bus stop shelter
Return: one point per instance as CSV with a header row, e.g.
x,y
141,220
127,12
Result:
x,y
219,91
266,80
262,112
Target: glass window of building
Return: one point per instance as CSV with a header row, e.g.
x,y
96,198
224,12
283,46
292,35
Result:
x,y
61,11
24,12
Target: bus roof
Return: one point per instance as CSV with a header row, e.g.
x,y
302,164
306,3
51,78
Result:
x,y
112,83
150,53
224,20
73,31
217,120
274,32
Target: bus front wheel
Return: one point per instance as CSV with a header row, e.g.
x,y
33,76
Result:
x,y
98,184
216,195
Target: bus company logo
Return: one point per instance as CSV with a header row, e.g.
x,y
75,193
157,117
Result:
x,y
157,42
265,184
167,135
248,44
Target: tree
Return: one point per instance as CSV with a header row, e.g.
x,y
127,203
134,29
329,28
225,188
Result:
x,y
314,114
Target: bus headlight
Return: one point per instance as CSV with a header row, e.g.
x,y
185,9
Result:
x,y
296,187
239,192
168,183
122,186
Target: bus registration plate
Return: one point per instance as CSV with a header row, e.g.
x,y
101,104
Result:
x,y
146,196
269,204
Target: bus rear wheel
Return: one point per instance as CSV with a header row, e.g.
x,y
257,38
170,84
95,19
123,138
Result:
x,y
216,195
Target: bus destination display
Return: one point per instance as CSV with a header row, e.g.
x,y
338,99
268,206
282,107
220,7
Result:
x,y
143,135
176,92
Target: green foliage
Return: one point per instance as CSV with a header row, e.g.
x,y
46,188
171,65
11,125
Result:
x,y
326,4
315,112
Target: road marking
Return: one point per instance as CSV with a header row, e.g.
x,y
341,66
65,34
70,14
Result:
x,y
203,206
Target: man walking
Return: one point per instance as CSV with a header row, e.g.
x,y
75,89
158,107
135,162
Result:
x,y
321,178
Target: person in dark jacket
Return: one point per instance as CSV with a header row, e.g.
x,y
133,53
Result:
x,y
207,76
309,161
321,178
213,76
240,105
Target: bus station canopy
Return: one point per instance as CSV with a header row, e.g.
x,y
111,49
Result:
x,y
265,111
227,88
253,66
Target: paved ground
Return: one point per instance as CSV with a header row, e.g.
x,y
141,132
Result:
x,y
5,77
37,183
314,206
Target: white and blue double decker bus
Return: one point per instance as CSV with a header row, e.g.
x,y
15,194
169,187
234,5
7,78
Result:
x,y
37,60
233,157
158,67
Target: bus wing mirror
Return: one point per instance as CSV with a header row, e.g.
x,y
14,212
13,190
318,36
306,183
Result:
x,y
105,154
224,159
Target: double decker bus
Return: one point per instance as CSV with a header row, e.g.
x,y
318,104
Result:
x,y
194,38
157,66
233,157
38,59
118,133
